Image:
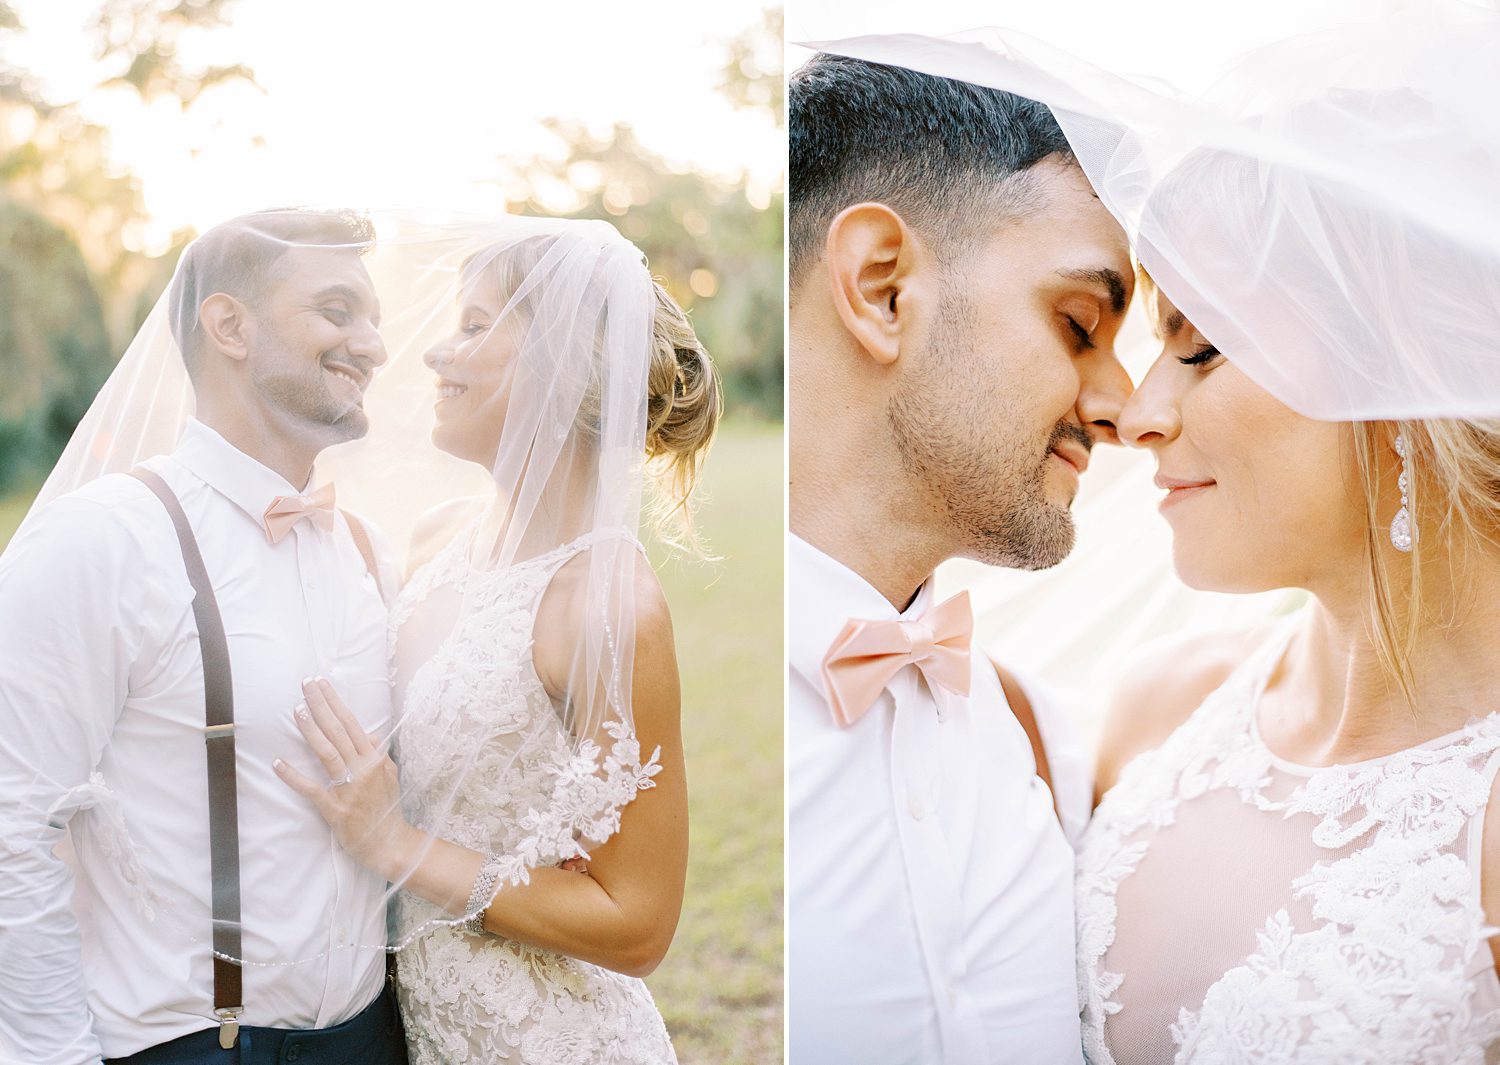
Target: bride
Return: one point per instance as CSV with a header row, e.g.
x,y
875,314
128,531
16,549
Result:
x,y
1325,779
537,824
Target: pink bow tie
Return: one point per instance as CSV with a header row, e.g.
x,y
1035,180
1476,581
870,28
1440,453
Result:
x,y
867,654
286,511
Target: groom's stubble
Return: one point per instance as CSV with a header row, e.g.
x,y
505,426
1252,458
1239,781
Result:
x,y
965,443
297,387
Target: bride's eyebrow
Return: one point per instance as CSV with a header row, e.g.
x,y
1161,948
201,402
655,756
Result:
x,y
1174,323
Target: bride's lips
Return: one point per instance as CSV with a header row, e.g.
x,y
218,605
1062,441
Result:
x,y
1180,489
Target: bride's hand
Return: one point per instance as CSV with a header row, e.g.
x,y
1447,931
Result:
x,y
361,801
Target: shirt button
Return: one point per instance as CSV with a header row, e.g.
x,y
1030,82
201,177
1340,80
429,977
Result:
x,y
916,807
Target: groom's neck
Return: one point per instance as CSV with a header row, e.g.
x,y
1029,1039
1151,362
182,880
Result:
x,y
882,566
850,495
267,444
861,523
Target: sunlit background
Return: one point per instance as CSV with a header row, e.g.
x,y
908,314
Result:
x,y
128,126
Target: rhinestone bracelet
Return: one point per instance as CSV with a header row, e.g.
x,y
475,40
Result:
x,y
483,894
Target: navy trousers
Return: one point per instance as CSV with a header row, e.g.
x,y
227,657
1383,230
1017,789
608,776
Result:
x,y
373,1037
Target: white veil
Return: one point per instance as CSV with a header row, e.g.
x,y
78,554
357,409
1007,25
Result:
x,y
571,306
553,456
1325,214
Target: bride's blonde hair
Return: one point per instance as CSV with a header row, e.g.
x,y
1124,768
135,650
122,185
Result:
x,y
1453,495
684,399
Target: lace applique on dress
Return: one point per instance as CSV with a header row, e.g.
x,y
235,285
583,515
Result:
x,y
499,774
1235,907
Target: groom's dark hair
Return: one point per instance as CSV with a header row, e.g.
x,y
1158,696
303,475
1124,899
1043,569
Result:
x,y
236,257
943,154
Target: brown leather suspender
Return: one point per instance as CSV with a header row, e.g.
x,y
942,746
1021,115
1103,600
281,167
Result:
x,y
366,549
223,795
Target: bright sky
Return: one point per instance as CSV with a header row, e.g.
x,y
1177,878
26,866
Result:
x,y
413,106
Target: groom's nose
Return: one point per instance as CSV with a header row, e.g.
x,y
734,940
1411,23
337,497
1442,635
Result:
x,y
367,343
1103,388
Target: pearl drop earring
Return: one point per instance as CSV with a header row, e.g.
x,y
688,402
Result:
x,y
1403,529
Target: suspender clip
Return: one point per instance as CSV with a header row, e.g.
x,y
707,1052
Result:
x,y
229,1026
218,732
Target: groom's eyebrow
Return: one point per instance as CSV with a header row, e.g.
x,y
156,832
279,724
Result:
x,y
1110,279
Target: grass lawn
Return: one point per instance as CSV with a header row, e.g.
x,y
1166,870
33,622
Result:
x,y
720,987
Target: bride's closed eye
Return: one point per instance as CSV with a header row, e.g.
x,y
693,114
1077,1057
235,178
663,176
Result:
x,y
1203,357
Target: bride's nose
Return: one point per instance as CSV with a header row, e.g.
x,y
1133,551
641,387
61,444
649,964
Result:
x,y
1152,415
439,355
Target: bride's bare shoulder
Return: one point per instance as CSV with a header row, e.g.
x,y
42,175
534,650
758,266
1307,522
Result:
x,y
439,525
1168,681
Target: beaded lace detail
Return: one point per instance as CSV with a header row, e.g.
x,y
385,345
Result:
x,y
495,770
1328,914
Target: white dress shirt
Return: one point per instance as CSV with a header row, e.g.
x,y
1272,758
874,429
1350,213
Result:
x,y
101,737
930,888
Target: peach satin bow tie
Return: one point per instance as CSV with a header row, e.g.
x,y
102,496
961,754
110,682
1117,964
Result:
x,y
867,654
286,511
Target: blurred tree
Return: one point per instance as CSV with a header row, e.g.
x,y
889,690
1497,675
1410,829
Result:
x,y
54,354
752,75
717,253
143,35
54,160
716,243
56,164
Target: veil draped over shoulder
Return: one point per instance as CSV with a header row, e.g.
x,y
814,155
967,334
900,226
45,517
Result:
x,y
536,335
1326,214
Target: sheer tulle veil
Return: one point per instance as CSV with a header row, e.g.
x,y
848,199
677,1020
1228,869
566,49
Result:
x,y
547,455
1325,214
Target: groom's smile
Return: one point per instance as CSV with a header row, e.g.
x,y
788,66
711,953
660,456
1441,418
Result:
x,y
351,377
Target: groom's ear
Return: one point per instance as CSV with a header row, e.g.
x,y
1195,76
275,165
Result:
x,y
224,321
871,254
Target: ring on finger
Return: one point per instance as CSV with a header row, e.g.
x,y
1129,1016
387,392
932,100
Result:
x,y
347,778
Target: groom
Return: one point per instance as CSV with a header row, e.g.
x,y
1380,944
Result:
x,y
112,679
955,289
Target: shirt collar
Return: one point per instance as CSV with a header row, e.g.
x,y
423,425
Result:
x,y
825,595
226,469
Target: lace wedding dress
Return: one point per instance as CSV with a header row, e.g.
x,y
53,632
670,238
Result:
x,y
1235,907
483,738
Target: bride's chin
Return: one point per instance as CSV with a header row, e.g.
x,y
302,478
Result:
x,y
1211,575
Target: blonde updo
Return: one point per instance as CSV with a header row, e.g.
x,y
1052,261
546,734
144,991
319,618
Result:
x,y
683,396
683,404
